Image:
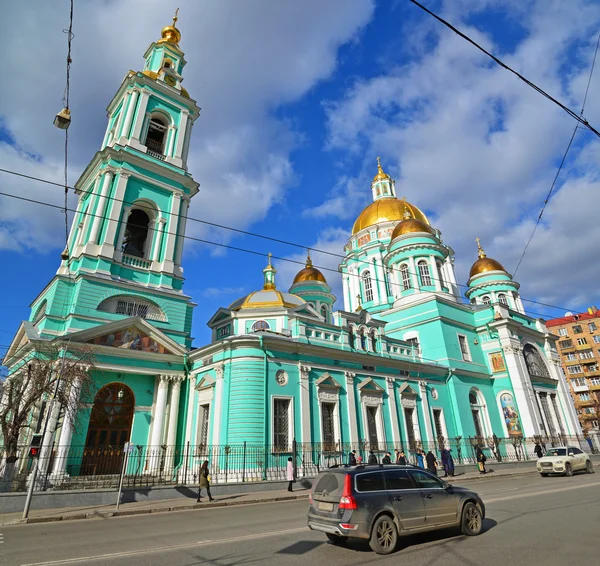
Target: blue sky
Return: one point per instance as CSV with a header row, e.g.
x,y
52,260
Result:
x,y
297,101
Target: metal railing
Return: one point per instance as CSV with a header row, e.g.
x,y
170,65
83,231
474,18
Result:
x,y
80,467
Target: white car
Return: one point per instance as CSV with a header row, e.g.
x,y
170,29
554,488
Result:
x,y
564,460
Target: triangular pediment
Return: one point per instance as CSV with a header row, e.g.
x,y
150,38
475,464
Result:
x,y
219,316
308,310
206,382
132,333
369,385
26,333
407,391
327,381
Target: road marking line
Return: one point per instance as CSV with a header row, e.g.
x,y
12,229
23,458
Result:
x,y
545,492
172,547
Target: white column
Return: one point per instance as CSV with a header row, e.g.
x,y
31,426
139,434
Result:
x,y
426,415
374,283
186,146
171,236
181,134
218,401
172,424
129,116
172,132
412,266
355,287
116,205
519,304
66,434
141,116
160,226
452,276
100,208
121,236
351,399
305,412
185,205
121,117
393,411
346,291
190,408
434,273
158,418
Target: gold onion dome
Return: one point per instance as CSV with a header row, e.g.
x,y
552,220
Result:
x,y
386,209
309,273
410,225
484,263
170,34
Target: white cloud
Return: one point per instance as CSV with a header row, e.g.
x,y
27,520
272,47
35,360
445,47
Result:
x,y
478,149
245,59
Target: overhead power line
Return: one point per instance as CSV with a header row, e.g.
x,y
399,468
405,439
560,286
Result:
x,y
257,253
580,119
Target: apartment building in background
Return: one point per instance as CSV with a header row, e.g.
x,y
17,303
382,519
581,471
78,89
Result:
x,y
579,349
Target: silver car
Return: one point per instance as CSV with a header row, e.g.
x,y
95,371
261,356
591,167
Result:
x,y
381,503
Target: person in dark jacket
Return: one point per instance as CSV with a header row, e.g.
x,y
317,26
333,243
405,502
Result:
x,y
401,458
387,459
481,459
538,450
372,458
352,458
431,463
447,462
204,481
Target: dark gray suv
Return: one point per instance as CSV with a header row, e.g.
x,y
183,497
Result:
x,y
380,503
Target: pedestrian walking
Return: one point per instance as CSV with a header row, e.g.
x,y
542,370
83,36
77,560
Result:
x,y
481,459
359,460
290,473
204,481
420,462
352,458
387,459
372,458
431,463
537,449
401,458
447,462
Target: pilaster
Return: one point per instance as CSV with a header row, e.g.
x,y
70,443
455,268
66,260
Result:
x,y
393,410
305,409
351,397
116,202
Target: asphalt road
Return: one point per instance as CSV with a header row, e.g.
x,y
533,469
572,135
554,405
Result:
x,y
530,520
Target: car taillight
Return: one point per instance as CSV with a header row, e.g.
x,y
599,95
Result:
x,y
310,498
347,500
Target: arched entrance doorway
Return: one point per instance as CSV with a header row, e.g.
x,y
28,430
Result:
x,y
109,429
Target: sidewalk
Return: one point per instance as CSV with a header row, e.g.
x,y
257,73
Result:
x,y
182,504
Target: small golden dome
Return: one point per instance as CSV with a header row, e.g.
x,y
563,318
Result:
x,y
381,175
170,34
386,209
484,263
410,225
309,273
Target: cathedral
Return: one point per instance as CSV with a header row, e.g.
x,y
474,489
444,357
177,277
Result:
x,y
403,362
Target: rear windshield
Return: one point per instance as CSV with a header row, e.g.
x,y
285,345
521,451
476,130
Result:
x,y
557,452
329,484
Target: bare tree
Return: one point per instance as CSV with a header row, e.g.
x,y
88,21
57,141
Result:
x,y
58,373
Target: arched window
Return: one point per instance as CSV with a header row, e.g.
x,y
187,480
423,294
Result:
x,y
325,313
136,233
534,362
260,325
367,286
477,411
502,299
424,273
373,341
363,339
405,274
157,135
130,305
486,300
351,339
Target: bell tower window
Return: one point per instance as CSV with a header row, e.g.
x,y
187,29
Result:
x,y
424,273
367,286
157,135
136,233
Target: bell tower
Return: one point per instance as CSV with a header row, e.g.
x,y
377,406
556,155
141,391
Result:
x,y
126,242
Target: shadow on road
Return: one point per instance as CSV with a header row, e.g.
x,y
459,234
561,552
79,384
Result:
x,y
301,547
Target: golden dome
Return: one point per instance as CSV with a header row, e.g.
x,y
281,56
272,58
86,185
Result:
x,y
410,225
386,209
381,175
309,273
170,34
267,298
484,263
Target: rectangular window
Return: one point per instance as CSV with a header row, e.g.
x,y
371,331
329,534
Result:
x,y
586,354
595,380
410,428
575,369
581,341
370,482
584,397
328,426
497,362
577,329
563,332
597,339
592,326
406,282
281,423
423,267
372,428
566,344
571,356
437,423
588,411
578,382
203,419
592,367
464,348
224,331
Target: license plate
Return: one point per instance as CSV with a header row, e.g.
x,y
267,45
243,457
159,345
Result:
x,y
325,506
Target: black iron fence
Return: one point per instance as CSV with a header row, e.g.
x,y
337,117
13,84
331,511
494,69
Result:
x,y
79,467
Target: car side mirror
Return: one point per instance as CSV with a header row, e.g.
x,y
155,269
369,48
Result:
x,y
447,486
571,454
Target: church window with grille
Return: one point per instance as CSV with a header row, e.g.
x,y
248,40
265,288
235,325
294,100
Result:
x,y
203,420
410,428
281,423
502,299
132,306
157,135
136,233
424,273
372,428
367,286
405,274
328,426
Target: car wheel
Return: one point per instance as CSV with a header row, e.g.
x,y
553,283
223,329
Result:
x,y
589,468
544,475
336,539
568,470
472,521
384,536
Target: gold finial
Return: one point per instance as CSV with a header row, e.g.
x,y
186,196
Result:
x,y
308,260
479,248
171,34
359,307
269,273
379,169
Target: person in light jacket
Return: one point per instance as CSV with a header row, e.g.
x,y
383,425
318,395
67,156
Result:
x,y
204,481
290,473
